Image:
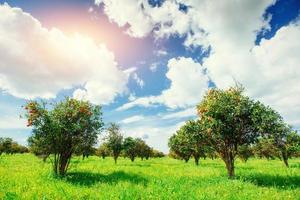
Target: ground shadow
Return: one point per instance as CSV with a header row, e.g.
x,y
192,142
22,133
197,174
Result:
x,y
277,181
89,179
296,165
136,165
212,165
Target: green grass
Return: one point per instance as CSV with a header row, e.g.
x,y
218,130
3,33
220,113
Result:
x,y
27,177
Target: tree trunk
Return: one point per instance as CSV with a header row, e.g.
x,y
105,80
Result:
x,y
55,164
228,155
64,163
230,168
285,158
115,158
196,160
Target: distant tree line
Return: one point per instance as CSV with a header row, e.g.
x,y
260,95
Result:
x,y
232,125
8,146
115,145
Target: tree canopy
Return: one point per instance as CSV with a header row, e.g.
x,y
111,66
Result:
x,y
232,119
70,126
114,140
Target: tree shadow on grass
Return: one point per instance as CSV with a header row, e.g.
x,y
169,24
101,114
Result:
x,y
136,165
89,179
276,181
296,165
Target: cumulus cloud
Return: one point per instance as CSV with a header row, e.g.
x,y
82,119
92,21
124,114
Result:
x,y
128,12
188,84
169,19
39,62
269,71
166,20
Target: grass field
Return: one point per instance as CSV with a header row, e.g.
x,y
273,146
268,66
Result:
x,y
27,177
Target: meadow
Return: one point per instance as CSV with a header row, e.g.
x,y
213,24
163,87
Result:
x,y
24,176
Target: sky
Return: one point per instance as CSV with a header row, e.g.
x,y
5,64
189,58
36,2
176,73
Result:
x,y
147,62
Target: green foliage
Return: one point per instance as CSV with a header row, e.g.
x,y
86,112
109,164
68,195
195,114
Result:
x,y
284,147
8,146
1,146
39,147
103,151
143,150
71,126
130,146
26,177
265,148
190,139
157,154
114,140
233,119
181,145
293,144
245,152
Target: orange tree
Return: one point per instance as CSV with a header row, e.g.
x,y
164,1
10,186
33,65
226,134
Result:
x,y
130,146
190,140
181,145
197,139
114,140
233,119
103,151
143,150
70,126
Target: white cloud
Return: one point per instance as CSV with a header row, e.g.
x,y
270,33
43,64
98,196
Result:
x,y
153,67
188,84
141,101
138,80
156,136
131,97
189,112
128,12
132,119
39,62
12,122
167,19
160,53
271,72
98,2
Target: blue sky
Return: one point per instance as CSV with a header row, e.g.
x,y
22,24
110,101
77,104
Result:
x,y
147,62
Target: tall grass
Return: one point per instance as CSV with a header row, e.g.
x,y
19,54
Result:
x,y
27,177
